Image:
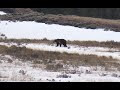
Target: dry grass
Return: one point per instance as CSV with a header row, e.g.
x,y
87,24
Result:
x,y
87,22
77,21
49,58
44,40
109,44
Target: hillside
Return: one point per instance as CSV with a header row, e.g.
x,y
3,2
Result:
x,y
29,54
22,14
106,13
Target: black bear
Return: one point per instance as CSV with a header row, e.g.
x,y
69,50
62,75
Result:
x,y
60,42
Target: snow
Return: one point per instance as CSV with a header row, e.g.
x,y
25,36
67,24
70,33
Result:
x,y
19,71
2,13
34,30
99,51
16,70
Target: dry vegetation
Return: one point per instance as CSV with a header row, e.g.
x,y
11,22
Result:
x,y
109,44
77,21
44,40
56,60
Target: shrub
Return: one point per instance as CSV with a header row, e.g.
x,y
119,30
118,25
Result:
x,y
63,76
44,39
54,67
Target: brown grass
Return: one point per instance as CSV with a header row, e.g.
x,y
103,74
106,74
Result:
x,y
109,44
49,58
77,21
21,41
87,22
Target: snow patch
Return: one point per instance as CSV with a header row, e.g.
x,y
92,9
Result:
x,y
19,71
2,13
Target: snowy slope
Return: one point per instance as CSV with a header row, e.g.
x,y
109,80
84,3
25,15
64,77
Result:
x,y
34,30
16,70
12,69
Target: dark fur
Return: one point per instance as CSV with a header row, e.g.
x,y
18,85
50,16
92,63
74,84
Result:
x,y
60,42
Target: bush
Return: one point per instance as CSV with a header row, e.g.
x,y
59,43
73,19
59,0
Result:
x,y
63,76
44,39
54,67
3,49
91,26
34,55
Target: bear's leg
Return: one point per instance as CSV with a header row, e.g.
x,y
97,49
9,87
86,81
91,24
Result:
x,y
57,44
65,45
60,44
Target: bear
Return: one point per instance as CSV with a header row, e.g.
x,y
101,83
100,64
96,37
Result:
x,y
60,42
